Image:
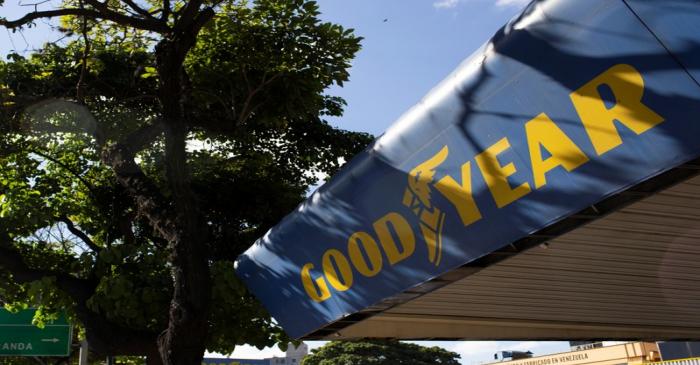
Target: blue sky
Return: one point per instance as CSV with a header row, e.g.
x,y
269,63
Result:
x,y
402,58
409,46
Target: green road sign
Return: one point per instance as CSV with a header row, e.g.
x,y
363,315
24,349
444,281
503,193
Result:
x,y
19,337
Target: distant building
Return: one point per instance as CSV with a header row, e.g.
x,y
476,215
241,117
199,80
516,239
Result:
x,y
512,355
680,350
585,345
633,353
594,353
293,356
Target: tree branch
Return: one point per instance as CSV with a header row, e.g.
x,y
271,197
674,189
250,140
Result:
x,y
129,238
141,138
78,233
104,336
80,88
65,167
152,25
187,16
247,109
225,106
150,202
202,19
120,157
12,261
157,241
166,10
138,9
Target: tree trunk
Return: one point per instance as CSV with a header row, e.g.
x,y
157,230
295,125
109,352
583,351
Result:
x,y
107,338
183,342
153,358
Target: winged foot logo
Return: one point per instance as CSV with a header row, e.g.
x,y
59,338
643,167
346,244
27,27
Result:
x,y
417,198
392,238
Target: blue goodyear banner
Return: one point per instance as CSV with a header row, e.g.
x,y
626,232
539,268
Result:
x,y
569,103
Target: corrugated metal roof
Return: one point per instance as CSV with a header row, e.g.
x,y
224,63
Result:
x,y
632,274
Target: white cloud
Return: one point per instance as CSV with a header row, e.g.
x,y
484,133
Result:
x,y
470,348
445,4
449,4
516,3
250,352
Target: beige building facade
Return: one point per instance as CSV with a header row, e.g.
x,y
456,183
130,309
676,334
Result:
x,y
624,354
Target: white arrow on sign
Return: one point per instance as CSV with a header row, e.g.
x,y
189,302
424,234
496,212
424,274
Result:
x,y
54,340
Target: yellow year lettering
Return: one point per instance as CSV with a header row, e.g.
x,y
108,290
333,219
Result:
x,y
627,86
496,175
542,132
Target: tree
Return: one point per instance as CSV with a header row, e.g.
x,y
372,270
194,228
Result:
x,y
379,352
139,159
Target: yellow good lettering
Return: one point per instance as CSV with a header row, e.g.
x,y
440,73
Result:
x,y
460,195
340,279
496,175
542,132
318,292
627,86
370,247
402,230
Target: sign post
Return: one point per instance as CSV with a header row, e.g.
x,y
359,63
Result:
x,y
19,337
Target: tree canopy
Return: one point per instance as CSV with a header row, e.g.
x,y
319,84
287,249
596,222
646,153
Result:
x,y
379,352
142,156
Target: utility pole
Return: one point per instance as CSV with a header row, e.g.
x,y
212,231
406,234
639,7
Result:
x,y
83,353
